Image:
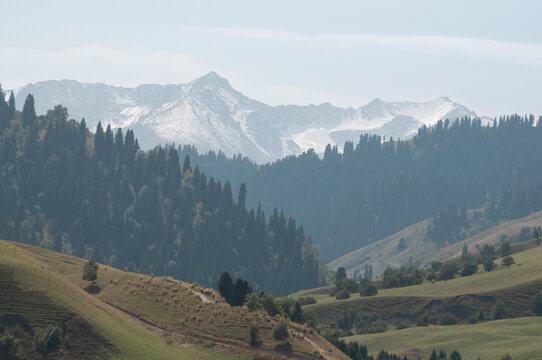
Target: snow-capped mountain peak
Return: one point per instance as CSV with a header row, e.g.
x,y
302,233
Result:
x,y
208,113
211,81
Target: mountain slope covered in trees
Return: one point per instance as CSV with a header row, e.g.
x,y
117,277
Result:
x,y
374,188
100,197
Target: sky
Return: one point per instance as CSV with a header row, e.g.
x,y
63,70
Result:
x,y
484,54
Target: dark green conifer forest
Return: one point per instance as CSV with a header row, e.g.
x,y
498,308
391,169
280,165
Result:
x,y
99,196
375,188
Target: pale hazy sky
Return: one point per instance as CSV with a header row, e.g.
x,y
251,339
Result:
x,y
484,54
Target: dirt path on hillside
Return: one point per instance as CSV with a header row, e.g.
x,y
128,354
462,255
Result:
x,y
325,353
202,296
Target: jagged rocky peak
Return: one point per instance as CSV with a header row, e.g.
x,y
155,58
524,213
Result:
x,y
213,81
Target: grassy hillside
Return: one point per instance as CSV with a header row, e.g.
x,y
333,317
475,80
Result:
x,y
489,341
133,316
527,270
468,303
385,252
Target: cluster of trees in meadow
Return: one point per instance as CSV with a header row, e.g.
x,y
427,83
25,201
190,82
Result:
x,y
374,188
345,286
99,196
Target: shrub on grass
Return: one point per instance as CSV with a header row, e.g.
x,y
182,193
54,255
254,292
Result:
x,y
347,284
280,331
489,265
448,271
252,302
508,261
367,288
342,294
253,340
469,269
306,300
268,303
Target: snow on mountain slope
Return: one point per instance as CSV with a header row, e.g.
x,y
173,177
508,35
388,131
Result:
x,y
210,114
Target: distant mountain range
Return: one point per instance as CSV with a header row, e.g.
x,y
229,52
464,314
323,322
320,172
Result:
x,y
210,114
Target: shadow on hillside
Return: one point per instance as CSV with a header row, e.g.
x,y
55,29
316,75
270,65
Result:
x,y
93,289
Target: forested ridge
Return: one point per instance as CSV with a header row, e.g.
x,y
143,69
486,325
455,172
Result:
x,y
375,188
98,196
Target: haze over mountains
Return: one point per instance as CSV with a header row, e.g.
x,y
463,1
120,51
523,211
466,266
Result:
x,y
208,113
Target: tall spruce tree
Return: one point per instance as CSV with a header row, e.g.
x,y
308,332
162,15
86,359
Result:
x,y
225,287
99,141
29,112
3,110
11,106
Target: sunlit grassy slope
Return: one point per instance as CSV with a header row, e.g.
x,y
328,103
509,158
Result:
x,y
528,268
464,298
489,340
126,337
147,317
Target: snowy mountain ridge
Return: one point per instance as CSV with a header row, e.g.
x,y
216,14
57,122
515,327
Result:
x,y
208,113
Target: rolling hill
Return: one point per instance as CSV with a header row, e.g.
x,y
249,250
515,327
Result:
x,y
132,316
459,314
421,252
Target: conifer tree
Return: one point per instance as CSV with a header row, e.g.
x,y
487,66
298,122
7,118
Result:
x,y
368,272
129,143
341,274
3,109
297,314
242,196
90,271
29,112
186,164
240,291
109,143
99,141
82,137
11,106
465,251
225,287
119,140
